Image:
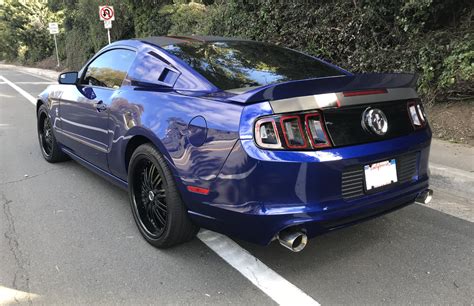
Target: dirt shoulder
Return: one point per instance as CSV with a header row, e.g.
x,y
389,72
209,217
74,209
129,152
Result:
x,y
452,121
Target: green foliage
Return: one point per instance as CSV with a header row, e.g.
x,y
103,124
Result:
x,y
24,34
457,76
431,37
187,18
149,18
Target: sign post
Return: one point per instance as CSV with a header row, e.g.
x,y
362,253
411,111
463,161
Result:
x,y
107,15
54,29
108,26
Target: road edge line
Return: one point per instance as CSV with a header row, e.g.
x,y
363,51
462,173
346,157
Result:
x,y
21,91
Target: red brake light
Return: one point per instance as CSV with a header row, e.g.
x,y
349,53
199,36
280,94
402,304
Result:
x,y
364,92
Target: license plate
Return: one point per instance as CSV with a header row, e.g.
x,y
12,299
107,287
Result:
x,y
380,174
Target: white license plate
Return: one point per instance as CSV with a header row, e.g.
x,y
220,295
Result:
x,y
380,174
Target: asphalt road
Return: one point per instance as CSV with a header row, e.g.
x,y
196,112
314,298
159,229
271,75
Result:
x,y
68,237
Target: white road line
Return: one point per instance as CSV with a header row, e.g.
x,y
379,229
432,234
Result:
x,y
20,91
10,296
271,283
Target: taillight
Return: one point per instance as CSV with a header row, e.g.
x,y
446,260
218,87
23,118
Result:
x,y
266,133
293,132
297,131
316,131
417,114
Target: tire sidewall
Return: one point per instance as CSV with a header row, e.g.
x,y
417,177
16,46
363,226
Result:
x,y
138,155
42,111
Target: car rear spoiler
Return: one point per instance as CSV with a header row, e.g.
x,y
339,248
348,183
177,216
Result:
x,y
364,83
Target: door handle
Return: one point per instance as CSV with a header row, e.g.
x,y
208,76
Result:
x,y
100,106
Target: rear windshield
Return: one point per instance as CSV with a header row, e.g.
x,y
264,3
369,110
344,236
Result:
x,y
240,64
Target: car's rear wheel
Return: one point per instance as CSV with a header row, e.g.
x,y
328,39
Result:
x,y
156,204
49,147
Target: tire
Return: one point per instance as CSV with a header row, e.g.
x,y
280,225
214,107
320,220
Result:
x,y
48,145
156,204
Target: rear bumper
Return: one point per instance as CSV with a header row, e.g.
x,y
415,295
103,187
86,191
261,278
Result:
x,y
258,193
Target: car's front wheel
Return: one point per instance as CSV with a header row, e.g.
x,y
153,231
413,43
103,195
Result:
x,y
156,204
49,147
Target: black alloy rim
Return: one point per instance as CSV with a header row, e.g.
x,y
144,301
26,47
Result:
x,y
46,136
150,197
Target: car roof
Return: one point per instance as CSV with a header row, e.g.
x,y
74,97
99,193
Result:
x,y
162,41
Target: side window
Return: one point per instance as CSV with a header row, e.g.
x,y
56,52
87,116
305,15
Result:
x,y
109,69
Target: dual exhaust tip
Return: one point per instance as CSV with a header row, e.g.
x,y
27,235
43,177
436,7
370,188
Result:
x,y
296,240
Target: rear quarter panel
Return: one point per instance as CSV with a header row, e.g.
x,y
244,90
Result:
x,y
164,118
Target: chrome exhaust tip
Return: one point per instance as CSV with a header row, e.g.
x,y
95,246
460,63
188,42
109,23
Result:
x,y
293,240
425,197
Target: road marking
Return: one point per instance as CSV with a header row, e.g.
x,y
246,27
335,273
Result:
x,y
20,91
271,283
12,296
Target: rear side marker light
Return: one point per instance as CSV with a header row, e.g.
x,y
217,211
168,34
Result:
x,y
364,92
316,131
293,132
199,190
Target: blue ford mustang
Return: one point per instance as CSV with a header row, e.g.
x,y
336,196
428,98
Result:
x,y
245,138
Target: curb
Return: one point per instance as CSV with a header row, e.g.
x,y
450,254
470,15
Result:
x,y
454,180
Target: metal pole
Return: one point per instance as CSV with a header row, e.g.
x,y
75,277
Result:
x,y
56,45
108,35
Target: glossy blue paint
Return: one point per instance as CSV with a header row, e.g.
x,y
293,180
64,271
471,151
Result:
x,y
206,136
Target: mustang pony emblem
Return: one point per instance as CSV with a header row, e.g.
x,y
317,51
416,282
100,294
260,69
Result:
x,y
375,121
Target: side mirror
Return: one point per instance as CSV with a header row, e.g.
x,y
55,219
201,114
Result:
x,y
68,78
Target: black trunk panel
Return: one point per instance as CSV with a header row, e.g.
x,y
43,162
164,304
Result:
x,y
344,125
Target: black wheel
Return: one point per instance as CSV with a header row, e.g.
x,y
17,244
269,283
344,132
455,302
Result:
x,y
156,204
49,147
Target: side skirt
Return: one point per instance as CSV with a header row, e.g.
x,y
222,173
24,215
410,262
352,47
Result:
x,y
111,178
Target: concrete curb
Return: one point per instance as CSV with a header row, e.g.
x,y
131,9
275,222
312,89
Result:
x,y
453,180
